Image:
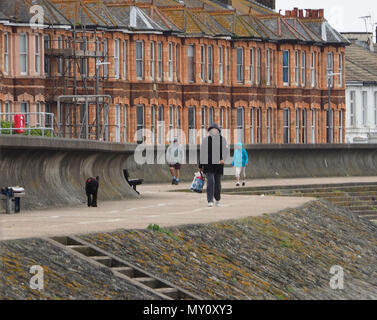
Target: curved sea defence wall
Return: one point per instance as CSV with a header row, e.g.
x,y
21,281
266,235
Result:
x,y
53,171
280,161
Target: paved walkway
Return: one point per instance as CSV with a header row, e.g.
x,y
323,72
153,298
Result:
x,y
156,205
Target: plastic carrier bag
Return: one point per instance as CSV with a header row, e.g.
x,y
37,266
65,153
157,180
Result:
x,y
198,183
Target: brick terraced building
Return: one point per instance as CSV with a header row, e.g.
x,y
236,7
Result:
x,y
176,65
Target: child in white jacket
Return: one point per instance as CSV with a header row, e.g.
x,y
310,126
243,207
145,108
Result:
x,y
175,156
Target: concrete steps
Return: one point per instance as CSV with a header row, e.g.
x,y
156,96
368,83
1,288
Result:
x,y
120,268
361,198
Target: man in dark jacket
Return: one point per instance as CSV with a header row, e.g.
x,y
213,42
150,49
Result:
x,y
91,188
213,153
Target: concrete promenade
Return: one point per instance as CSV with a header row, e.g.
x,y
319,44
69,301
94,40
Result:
x,y
157,204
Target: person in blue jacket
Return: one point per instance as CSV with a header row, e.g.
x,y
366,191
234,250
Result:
x,y
240,162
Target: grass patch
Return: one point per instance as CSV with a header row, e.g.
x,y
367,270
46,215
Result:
x,y
286,243
157,228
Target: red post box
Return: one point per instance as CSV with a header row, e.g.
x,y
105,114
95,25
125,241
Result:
x,y
19,123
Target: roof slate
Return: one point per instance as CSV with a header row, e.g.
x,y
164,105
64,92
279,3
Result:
x,y
361,64
245,19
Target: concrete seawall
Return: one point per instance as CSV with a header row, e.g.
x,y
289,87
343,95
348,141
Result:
x,y
53,171
283,161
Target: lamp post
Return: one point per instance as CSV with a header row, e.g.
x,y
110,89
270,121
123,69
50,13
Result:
x,y
98,65
330,76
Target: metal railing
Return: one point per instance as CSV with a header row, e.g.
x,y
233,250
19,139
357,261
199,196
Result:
x,y
36,124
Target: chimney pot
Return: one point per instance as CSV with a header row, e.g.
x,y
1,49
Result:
x,y
321,13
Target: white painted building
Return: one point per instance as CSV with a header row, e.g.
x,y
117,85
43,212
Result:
x,y
361,91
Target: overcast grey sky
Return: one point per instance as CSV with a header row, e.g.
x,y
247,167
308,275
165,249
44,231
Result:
x,y
342,14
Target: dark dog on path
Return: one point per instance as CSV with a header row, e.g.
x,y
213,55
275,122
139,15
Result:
x,y
91,189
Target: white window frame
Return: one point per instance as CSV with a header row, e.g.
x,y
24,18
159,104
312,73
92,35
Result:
x,y
153,123
171,123
227,67
258,119
117,59
221,64
125,117
38,115
204,121
252,67
287,125
297,67
312,69
259,59
341,116
352,111
298,122
330,69
140,126
314,119
118,124
191,61
46,44
177,63
268,127
222,114
268,67
252,123
240,64
140,61
160,53
60,59
178,122
340,78
330,125
286,68
203,63
125,59
6,53
153,60
191,127
304,120
241,126
364,99
160,125
170,61
303,68
24,54
211,116
210,63
106,59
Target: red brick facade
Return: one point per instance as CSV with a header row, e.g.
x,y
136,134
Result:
x,y
269,97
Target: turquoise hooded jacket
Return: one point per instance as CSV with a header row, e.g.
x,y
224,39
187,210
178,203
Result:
x,y
240,158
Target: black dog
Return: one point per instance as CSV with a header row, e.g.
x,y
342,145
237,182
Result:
x,y
91,188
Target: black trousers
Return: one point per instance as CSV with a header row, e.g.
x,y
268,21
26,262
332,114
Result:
x,y
92,199
213,186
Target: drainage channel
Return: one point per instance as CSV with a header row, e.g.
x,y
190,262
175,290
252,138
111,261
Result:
x,y
122,269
